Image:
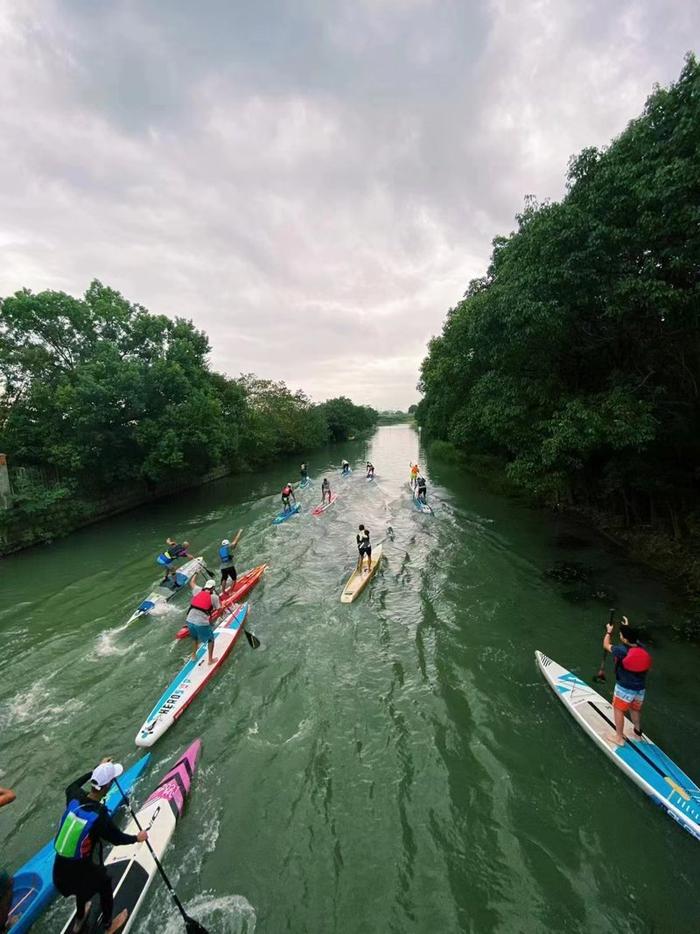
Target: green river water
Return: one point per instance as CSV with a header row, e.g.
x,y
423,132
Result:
x,y
397,765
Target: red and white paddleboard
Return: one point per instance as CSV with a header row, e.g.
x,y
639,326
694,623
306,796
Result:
x,y
242,588
319,510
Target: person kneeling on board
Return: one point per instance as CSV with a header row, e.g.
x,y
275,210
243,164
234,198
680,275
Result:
x,y
204,601
228,568
325,489
287,495
364,546
421,488
86,822
632,662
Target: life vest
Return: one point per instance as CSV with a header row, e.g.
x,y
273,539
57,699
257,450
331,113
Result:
x,y
202,601
637,660
73,840
224,553
420,481
286,491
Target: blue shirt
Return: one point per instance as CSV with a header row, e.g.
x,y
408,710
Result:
x,y
632,680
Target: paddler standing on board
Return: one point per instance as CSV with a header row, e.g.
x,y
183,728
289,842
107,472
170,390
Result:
x,y
325,489
172,552
370,470
632,662
364,547
204,601
304,471
415,470
287,495
228,569
421,488
86,821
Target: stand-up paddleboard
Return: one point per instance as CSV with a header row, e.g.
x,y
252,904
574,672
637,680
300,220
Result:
x,y
319,510
421,507
191,678
358,580
131,868
346,474
642,761
161,595
32,885
286,514
304,483
242,588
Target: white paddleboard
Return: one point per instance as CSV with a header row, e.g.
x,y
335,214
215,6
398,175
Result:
x,y
641,760
159,597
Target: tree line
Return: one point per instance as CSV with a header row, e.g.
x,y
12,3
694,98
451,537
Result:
x,y
101,394
576,359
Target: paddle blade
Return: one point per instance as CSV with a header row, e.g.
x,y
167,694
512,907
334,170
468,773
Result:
x,y
194,927
253,641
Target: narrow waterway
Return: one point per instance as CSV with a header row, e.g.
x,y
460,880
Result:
x,y
396,765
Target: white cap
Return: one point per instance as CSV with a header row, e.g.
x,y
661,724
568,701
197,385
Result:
x,y
105,773
226,542
209,585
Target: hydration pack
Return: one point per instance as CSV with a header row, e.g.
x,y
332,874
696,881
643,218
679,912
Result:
x,y
73,838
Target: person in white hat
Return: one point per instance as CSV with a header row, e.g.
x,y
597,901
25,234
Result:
x,y
199,623
78,868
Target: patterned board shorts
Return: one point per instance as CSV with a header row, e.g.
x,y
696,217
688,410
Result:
x,y
627,699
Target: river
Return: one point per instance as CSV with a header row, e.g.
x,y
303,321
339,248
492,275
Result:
x,y
396,765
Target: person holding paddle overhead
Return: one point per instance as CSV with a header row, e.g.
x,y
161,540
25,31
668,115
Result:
x,y
364,547
228,570
632,662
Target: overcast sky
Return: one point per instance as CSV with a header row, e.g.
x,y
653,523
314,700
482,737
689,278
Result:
x,y
312,182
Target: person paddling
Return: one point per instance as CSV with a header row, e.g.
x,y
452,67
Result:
x,y
171,553
415,470
86,822
325,490
198,621
228,569
287,495
364,547
345,467
7,796
632,662
303,470
370,470
421,488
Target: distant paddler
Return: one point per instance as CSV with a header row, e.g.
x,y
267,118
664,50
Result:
x,y
345,467
287,496
199,624
228,569
304,472
370,470
325,490
415,470
86,822
421,488
364,547
172,553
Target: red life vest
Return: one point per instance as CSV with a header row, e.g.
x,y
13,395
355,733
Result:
x,y
286,491
637,660
202,601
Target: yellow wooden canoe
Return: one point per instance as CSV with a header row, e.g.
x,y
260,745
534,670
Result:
x,y
358,580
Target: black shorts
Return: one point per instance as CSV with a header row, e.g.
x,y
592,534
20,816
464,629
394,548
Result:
x,y
365,550
228,572
81,878
421,490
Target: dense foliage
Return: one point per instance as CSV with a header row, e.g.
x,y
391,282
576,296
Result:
x,y
576,359
101,394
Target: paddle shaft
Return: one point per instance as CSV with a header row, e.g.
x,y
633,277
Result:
x,y
601,671
189,921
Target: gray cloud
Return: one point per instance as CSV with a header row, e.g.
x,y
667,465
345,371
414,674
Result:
x,y
313,184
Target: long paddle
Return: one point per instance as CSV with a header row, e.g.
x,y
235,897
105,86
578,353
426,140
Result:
x,y
600,674
191,926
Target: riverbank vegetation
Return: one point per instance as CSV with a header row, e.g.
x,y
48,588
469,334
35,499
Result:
x,y
97,395
575,361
